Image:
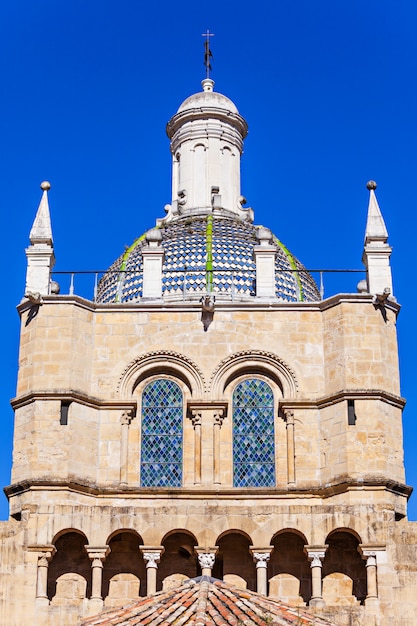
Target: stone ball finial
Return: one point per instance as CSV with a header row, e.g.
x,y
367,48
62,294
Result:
x,y
154,237
371,184
46,185
263,235
362,286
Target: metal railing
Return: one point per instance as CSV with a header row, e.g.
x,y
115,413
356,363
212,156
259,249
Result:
x,y
84,283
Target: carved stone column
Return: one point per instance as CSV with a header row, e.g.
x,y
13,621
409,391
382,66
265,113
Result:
x,y
207,456
261,557
125,420
151,556
218,417
196,417
316,555
289,420
371,581
206,558
369,554
97,556
45,555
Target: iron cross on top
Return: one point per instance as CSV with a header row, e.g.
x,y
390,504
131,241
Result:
x,y
207,52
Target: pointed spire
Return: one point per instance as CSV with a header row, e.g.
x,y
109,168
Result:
x,y
375,225
377,252
41,230
40,253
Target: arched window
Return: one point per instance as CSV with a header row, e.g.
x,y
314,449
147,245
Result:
x,y
253,434
161,453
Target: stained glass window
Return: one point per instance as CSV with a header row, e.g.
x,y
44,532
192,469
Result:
x,y
253,434
161,454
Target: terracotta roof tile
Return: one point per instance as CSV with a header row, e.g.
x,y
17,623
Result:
x,y
206,601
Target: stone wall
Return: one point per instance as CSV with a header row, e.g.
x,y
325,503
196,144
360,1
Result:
x,y
85,534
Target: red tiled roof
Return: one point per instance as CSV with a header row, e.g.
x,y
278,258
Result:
x,y
206,601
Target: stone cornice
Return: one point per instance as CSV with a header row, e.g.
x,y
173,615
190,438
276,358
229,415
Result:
x,y
181,306
343,394
338,486
207,113
72,395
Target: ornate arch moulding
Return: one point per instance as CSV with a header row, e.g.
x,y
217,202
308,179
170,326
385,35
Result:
x,y
249,361
158,362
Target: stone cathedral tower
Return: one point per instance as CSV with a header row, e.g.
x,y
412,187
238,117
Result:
x,y
208,413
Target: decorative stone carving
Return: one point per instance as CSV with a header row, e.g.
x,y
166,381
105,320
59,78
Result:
x,y
288,416
195,418
151,359
126,417
206,560
261,558
316,558
218,417
242,359
152,559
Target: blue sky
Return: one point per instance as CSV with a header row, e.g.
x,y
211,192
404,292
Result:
x,y
328,88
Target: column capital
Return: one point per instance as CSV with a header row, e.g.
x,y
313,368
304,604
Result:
x,y
218,416
288,415
97,552
370,550
261,556
206,558
45,551
196,417
152,555
126,417
315,554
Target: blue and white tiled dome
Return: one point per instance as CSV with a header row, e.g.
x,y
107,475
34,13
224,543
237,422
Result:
x,y
184,273
207,235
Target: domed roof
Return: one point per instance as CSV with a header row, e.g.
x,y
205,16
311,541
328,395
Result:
x,y
207,104
207,98
185,273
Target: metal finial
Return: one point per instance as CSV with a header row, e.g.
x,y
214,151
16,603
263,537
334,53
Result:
x,y
371,184
207,52
45,185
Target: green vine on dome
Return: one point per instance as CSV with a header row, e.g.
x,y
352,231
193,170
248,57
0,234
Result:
x,y
209,254
293,264
123,264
